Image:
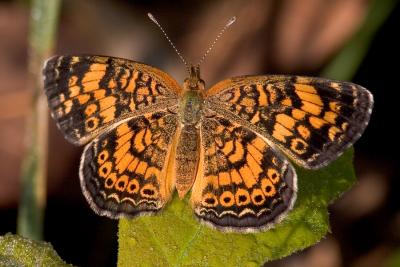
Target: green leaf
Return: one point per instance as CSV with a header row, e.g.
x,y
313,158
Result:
x,y
20,251
175,238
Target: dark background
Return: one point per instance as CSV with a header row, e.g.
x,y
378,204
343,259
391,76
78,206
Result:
x,y
290,37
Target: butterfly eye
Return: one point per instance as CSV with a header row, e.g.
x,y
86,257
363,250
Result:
x,y
201,85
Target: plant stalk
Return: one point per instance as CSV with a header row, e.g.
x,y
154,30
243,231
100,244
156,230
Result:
x,y
43,25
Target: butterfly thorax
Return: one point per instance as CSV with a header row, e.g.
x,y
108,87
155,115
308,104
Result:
x,y
187,156
192,98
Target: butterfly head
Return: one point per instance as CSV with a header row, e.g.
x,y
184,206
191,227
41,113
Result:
x,y
194,82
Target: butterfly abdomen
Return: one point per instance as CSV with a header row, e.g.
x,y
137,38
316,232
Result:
x,y
187,159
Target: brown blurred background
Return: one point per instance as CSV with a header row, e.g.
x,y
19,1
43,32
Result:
x,y
275,36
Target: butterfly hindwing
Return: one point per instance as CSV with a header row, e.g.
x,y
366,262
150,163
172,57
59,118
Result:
x,y
243,184
124,171
87,94
313,120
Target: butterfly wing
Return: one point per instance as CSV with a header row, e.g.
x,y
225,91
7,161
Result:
x,y
87,94
124,171
243,183
313,120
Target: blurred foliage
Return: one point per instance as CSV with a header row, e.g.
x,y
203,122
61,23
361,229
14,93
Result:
x,y
346,63
19,251
175,238
44,21
394,259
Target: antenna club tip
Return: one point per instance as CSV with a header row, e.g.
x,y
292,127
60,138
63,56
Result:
x,y
231,21
152,17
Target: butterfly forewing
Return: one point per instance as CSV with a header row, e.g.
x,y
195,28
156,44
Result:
x,y
87,94
313,120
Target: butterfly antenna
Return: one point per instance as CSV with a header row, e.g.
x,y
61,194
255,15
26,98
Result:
x,y
227,25
153,19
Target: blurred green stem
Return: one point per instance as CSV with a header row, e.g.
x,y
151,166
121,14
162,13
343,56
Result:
x,y
43,24
346,63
